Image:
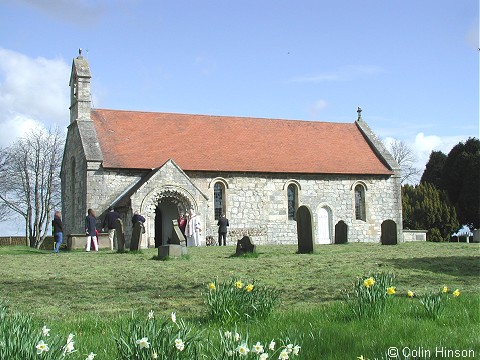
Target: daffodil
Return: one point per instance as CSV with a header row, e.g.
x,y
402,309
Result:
x,y
271,346
211,286
445,290
237,337
391,290
369,282
258,348
45,331
361,358
69,347
228,334
289,348
173,316
150,315
42,347
90,356
283,355
243,350
249,288
155,355
296,350
410,294
179,344
143,343
456,293
238,284
263,356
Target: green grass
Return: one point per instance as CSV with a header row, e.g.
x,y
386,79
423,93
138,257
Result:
x,y
89,293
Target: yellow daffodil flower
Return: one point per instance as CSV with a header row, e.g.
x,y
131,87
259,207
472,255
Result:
x,y
369,282
391,290
410,293
249,288
456,293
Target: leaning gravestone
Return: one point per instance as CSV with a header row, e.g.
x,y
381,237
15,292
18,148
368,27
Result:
x,y
176,246
136,235
120,235
245,245
304,230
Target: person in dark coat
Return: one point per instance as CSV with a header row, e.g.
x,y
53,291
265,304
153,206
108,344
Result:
x,y
57,228
222,230
90,230
109,224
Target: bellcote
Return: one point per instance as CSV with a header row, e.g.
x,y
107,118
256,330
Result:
x,y
80,99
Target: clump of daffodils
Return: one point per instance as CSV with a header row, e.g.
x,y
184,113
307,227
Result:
x,y
235,346
237,300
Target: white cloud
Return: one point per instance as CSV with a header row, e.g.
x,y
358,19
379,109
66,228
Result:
x,y
33,92
423,145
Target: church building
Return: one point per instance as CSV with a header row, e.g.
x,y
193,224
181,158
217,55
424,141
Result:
x,y
256,171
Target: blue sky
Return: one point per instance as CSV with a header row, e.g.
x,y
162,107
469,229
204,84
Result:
x,y
412,66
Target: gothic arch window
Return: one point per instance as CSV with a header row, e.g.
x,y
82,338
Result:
x,y
219,203
292,200
360,210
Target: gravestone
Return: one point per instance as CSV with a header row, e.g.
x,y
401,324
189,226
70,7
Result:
x,y
177,237
389,233
136,235
245,245
304,230
120,235
341,233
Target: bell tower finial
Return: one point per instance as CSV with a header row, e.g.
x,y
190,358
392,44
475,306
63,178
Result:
x,y
80,99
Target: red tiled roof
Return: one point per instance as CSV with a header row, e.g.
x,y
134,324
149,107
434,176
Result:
x,y
146,140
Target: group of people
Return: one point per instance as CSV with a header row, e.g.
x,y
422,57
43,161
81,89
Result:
x,y
189,225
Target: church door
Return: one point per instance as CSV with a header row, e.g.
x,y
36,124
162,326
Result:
x,y
165,212
323,226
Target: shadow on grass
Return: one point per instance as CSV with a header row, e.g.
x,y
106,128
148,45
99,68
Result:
x,y
451,265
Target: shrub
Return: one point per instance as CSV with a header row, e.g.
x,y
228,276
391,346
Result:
x,y
236,300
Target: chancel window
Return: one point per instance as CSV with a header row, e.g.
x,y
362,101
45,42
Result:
x,y
360,213
219,199
292,199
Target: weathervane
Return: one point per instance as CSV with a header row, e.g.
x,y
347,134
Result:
x,y
359,111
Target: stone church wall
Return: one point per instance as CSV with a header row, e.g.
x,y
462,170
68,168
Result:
x,y
257,204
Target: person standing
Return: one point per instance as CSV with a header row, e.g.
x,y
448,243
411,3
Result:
x,y
57,228
193,229
109,223
90,229
182,222
222,230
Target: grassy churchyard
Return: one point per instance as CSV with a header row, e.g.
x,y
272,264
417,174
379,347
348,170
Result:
x,y
119,306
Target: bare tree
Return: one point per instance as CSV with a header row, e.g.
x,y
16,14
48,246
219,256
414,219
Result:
x,y
406,159
30,180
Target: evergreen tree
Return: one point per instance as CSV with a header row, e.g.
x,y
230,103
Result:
x,y
434,169
427,208
461,180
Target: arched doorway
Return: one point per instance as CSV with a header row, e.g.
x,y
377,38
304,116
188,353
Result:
x,y
324,232
163,207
